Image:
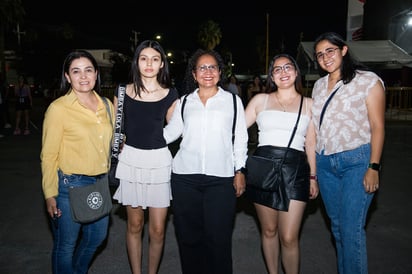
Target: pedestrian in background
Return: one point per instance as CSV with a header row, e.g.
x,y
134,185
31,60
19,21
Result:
x,y
24,102
256,86
145,162
233,85
350,136
4,104
275,113
77,134
207,173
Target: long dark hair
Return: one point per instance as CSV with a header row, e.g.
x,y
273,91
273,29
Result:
x,y
271,85
189,83
65,86
349,64
163,77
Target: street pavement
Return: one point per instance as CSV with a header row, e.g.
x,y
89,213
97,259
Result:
x,y
26,240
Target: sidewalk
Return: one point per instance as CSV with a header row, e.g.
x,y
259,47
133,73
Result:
x,y
26,241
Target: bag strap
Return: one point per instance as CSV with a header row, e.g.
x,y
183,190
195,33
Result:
x,y
295,128
118,136
183,105
326,105
108,109
234,115
106,103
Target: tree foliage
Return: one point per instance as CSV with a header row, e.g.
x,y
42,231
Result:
x,y
11,14
209,35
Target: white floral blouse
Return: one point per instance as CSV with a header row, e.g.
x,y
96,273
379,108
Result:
x,y
345,124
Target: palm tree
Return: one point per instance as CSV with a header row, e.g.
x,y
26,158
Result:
x,y
11,14
209,35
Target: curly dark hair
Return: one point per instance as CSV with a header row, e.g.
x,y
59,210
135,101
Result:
x,y
189,83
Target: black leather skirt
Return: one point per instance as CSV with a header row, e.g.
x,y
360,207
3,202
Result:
x,y
296,182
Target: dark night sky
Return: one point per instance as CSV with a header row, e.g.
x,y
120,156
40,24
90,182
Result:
x,y
102,25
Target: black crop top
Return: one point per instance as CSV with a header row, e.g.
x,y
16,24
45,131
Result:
x,y
144,121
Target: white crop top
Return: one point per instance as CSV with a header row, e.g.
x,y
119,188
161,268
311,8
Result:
x,y
275,127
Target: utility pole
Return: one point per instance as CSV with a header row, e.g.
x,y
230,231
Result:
x,y
19,33
267,43
134,39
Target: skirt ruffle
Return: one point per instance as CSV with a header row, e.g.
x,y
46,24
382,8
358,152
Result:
x,y
144,177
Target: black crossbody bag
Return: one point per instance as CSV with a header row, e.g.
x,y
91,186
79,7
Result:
x,y
264,173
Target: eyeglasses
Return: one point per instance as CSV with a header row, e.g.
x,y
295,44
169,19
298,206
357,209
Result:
x,y
286,68
204,68
329,53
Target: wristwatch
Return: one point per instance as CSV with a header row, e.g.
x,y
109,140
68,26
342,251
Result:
x,y
241,170
375,166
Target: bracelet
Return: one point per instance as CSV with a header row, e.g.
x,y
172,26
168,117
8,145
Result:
x,y
313,177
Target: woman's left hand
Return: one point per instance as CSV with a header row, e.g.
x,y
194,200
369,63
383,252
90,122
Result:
x,y
371,181
313,189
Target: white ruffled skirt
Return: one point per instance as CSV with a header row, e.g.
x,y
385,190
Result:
x,y
144,177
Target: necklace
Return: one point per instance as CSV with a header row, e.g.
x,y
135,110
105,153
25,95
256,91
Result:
x,y
153,91
284,106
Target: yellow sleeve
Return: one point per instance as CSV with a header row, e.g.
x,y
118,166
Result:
x,y
53,127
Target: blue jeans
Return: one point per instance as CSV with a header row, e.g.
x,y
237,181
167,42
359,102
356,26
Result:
x,y
72,255
340,177
204,209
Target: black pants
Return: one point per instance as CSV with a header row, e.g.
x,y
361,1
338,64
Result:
x,y
204,208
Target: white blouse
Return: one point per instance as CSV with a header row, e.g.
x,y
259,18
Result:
x,y
206,146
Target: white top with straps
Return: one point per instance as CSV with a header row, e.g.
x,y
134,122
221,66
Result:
x,y
275,127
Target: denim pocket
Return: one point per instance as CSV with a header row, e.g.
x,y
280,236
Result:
x,y
358,156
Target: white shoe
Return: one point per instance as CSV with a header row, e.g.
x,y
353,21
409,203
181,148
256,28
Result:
x,y
7,126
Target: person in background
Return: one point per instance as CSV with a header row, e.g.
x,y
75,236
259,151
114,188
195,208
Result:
x,y
275,113
24,103
77,134
208,168
4,104
145,162
350,141
255,87
233,85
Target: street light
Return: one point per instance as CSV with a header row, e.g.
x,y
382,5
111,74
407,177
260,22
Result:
x,y
400,29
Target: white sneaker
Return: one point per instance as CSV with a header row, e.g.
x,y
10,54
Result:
x,y
7,125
